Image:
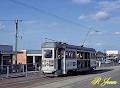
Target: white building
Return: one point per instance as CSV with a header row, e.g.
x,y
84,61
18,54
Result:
x,y
112,54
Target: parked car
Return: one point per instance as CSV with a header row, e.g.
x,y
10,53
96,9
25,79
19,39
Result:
x,y
108,61
119,61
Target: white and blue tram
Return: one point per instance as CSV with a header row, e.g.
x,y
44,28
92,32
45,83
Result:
x,y
60,58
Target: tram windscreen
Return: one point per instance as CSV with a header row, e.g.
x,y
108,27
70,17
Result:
x,y
48,53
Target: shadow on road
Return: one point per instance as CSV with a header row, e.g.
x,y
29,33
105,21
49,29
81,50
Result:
x,y
98,71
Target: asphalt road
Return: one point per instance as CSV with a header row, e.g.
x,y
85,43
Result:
x,y
82,80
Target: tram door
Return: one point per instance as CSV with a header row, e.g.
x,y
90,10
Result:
x,y
60,56
59,64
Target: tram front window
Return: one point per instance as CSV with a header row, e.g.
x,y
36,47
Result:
x,y
48,53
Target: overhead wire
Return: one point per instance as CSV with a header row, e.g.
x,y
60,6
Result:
x,y
47,13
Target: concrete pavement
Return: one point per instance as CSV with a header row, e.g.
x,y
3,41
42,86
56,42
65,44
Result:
x,y
85,80
74,81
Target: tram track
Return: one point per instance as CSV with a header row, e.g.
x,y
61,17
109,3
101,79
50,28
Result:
x,y
35,81
21,82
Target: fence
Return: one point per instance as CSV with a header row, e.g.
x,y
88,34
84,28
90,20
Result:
x,y
99,64
19,70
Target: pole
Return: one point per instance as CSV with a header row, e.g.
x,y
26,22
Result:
x,y
26,71
16,40
7,71
86,37
90,29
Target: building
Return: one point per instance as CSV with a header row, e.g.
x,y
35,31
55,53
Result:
x,y
30,57
100,56
113,54
6,52
34,56
21,57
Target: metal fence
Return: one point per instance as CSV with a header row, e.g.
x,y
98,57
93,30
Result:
x,y
19,70
107,64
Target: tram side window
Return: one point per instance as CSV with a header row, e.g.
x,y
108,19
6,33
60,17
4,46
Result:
x,y
93,55
60,53
74,56
74,63
77,55
70,54
67,54
48,53
87,55
82,55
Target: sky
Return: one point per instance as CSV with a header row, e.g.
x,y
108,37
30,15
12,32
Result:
x,y
94,22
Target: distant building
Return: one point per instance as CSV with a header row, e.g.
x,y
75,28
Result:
x,y
21,57
30,57
6,52
101,56
34,56
113,54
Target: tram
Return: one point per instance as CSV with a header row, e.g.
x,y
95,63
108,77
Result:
x,y
60,58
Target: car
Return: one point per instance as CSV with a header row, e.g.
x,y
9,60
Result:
x,y
107,61
119,61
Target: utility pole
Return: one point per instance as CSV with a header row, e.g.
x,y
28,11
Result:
x,y
16,36
16,40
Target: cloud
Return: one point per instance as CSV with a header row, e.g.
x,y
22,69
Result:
x,y
81,1
82,17
117,33
2,26
107,10
115,20
99,44
109,6
101,16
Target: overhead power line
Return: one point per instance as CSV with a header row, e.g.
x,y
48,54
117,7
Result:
x,y
47,13
16,35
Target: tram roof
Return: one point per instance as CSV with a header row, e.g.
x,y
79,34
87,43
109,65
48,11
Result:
x,y
57,44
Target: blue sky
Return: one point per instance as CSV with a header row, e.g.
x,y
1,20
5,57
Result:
x,y
100,15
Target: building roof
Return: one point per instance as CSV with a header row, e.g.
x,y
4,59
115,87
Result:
x,y
34,52
6,49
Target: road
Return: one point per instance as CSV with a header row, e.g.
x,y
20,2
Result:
x,y
82,80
